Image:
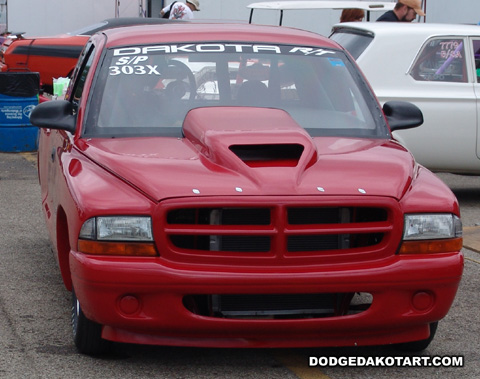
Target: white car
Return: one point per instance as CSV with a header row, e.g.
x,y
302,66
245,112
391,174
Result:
x,y
434,66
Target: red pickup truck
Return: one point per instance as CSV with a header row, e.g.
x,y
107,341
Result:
x,y
235,185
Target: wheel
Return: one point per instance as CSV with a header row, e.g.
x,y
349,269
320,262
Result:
x,y
416,346
86,333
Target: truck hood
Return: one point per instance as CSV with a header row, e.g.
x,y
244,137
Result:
x,y
232,151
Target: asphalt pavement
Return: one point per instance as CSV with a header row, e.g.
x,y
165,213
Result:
x,y
35,335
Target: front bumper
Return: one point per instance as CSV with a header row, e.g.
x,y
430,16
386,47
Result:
x,y
141,300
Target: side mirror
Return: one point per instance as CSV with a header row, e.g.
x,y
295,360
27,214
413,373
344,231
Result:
x,y
54,114
402,115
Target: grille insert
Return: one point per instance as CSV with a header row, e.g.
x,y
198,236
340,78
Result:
x,y
222,243
277,228
219,216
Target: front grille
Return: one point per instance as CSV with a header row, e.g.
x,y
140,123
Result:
x,y
311,241
279,229
278,306
263,305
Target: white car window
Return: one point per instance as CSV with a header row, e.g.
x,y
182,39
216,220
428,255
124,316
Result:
x,y
476,54
441,60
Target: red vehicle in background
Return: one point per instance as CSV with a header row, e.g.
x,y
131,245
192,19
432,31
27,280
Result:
x,y
56,56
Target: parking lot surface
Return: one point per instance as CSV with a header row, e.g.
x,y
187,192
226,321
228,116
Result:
x,y
35,335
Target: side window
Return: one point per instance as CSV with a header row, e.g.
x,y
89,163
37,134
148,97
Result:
x,y
476,54
441,60
83,69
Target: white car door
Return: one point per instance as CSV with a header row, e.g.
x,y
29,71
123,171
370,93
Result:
x,y
476,59
441,84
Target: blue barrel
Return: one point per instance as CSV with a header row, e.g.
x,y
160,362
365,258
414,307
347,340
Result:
x,y
18,96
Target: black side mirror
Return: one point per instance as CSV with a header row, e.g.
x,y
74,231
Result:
x,y
54,114
402,115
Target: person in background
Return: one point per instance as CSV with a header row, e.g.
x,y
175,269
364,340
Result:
x,y
404,11
352,14
4,36
181,11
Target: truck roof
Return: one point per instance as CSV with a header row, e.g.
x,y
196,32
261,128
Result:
x,y
205,32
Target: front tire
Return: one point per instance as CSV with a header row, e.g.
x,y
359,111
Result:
x,y
86,333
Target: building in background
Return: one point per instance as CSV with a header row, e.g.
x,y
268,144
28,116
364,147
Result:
x,y
3,16
52,17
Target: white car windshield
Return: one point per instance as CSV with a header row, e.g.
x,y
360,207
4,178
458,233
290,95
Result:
x,y
148,90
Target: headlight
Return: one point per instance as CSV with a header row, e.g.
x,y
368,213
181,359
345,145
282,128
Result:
x,y
431,233
117,235
125,228
431,226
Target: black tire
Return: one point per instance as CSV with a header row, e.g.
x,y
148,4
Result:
x,y
416,346
86,333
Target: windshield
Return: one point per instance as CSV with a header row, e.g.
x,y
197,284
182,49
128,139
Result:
x,y
148,90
